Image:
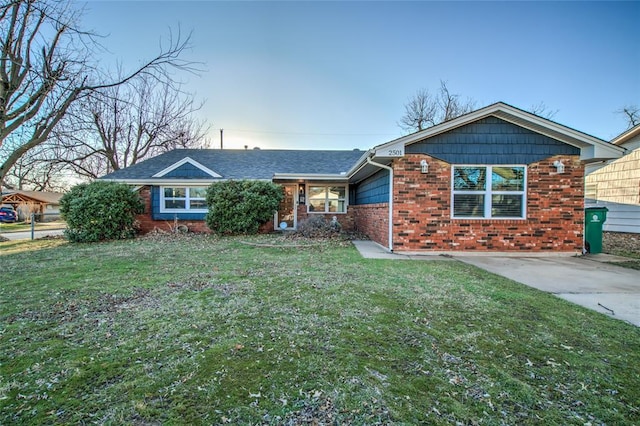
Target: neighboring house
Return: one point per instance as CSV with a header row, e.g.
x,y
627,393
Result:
x,y
615,184
496,179
45,205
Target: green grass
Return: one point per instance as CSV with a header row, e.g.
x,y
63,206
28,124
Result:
x,y
201,330
24,226
632,263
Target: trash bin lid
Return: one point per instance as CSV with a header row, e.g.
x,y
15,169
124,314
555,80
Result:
x,y
594,217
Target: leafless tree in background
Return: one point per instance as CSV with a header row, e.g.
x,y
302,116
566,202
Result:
x,y
632,114
451,105
540,109
425,109
47,64
125,124
420,112
34,172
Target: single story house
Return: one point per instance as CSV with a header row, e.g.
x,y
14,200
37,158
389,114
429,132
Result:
x,y
615,184
496,179
45,205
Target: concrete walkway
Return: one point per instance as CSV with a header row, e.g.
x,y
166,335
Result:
x,y
585,280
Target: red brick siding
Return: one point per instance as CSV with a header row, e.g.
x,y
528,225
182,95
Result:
x,y
345,219
422,211
373,220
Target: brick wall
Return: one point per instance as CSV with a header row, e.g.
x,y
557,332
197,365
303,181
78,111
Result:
x,y
372,220
345,219
422,211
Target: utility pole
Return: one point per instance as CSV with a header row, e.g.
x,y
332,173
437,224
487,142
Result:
x,y
221,130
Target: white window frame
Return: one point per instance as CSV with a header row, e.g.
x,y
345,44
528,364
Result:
x,y
187,199
489,192
326,197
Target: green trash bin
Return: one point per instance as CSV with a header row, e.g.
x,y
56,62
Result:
x,y
594,218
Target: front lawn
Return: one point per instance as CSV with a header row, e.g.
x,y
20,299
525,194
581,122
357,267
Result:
x,y
202,330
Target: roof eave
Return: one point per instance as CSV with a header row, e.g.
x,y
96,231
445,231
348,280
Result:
x,y
170,181
627,135
310,176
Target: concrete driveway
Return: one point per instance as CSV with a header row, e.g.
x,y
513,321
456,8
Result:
x,y
585,280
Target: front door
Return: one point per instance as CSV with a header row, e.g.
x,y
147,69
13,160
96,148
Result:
x,y
286,216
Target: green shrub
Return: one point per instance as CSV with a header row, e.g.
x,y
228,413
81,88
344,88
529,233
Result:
x,y
241,206
100,211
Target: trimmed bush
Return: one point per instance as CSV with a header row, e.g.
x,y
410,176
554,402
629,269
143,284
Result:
x,y
100,211
241,206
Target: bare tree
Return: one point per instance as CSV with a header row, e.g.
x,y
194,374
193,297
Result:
x,y
34,172
125,124
46,65
541,109
631,113
451,106
424,109
420,112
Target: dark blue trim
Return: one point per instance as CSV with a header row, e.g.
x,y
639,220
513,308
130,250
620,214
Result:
x,y
179,216
187,170
491,141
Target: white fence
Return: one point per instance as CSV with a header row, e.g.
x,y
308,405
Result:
x,y
620,217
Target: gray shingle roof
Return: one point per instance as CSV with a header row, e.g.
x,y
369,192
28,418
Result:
x,y
246,164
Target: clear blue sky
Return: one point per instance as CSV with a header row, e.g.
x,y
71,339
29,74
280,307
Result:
x,y
336,75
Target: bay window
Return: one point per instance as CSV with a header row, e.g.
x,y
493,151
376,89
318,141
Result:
x,y
489,192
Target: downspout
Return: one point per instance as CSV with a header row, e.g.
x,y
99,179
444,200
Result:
x,y
373,163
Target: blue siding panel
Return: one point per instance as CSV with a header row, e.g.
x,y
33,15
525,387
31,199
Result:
x,y
374,189
155,199
179,216
155,209
491,141
187,170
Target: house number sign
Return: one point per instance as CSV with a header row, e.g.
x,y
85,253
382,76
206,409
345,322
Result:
x,y
395,150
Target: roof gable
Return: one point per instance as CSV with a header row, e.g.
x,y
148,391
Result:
x,y
591,148
629,139
491,140
187,168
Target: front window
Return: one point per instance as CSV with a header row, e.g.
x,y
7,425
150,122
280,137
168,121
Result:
x,y
489,192
327,199
190,198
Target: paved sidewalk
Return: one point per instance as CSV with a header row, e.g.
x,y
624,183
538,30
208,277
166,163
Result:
x,y
372,250
26,235
585,280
